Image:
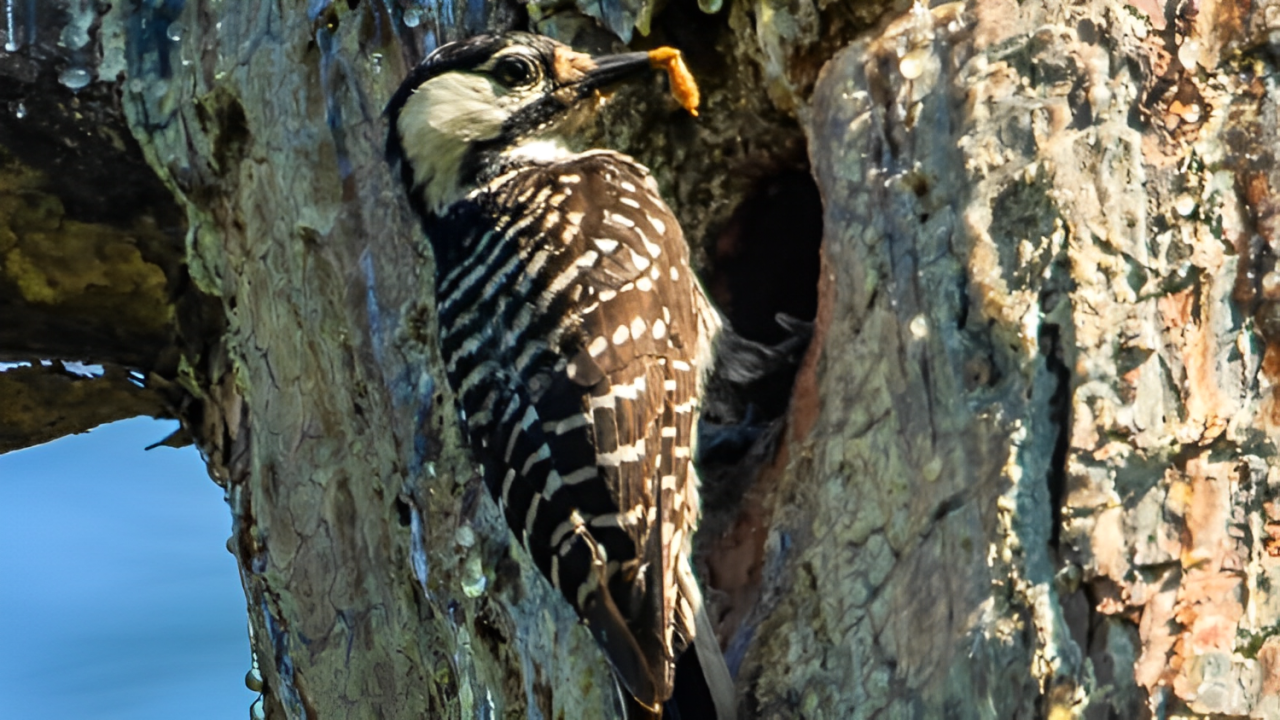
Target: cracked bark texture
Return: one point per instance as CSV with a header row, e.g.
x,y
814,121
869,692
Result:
x,y
1028,468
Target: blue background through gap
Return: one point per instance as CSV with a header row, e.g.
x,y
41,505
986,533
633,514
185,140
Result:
x,y
118,597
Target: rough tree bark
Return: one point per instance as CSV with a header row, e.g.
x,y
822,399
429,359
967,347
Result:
x,y
1028,466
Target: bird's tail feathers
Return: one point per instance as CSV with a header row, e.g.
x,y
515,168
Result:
x,y
703,687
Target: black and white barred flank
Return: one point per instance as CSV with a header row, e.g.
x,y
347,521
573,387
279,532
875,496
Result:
x,y
575,336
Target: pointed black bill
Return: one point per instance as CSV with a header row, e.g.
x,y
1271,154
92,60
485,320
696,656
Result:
x,y
613,69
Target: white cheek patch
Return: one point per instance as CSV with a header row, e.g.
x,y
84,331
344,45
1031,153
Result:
x,y
464,105
442,118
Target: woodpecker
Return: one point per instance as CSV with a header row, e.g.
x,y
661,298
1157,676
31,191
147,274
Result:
x,y
575,337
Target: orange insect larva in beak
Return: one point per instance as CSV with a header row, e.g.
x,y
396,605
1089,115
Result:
x,y
683,87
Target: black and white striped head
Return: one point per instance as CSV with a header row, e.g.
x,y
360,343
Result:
x,y
478,104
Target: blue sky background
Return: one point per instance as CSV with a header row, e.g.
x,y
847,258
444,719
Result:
x,y
118,597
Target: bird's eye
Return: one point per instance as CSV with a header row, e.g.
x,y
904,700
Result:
x,y
515,71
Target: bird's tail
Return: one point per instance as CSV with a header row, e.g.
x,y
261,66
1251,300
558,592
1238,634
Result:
x,y
703,689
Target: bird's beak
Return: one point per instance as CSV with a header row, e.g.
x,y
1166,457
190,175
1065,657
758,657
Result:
x,y
610,70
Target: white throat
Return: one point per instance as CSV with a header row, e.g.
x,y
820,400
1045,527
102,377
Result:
x,y
538,151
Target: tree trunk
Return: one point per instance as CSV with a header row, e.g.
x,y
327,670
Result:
x,y
1027,467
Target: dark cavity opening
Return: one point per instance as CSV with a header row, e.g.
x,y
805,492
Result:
x,y
765,261
1051,346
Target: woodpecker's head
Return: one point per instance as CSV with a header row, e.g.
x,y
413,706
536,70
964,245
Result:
x,y
477,104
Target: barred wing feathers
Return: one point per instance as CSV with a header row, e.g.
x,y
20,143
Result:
x,y
575,332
